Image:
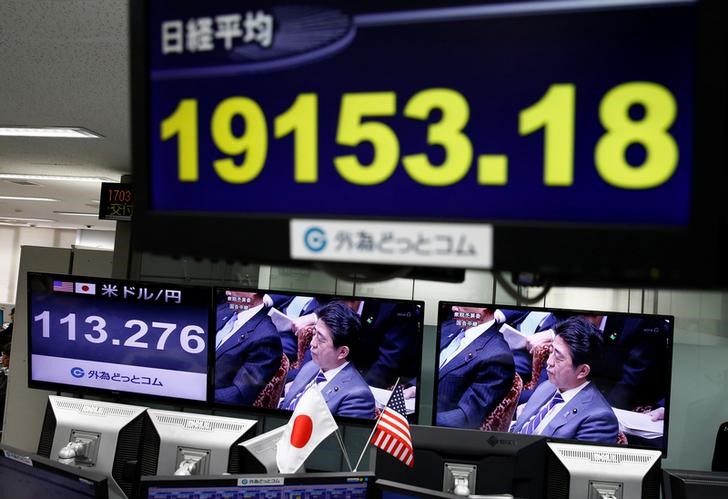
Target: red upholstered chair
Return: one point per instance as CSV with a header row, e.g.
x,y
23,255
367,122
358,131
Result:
x,y
540,355
304,342
622,438
501,417
271,393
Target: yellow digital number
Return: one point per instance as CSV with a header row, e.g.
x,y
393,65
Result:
x,y
253,142
650,131
555,114
448,133
183,124
301,119
353,131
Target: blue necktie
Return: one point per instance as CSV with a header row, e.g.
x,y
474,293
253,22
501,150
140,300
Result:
x,y
536,419
320,378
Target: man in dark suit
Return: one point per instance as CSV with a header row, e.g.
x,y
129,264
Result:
x,y
335,338
476,369
247,349
569,405
633,369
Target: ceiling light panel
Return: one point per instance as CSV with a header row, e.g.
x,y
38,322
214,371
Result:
x,y
65,132
25,198
64,178
76,213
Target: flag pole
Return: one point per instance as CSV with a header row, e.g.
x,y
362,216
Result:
x,y
343,449
366,444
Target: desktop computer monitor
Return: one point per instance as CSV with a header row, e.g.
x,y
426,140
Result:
x,y
101,436
355,485
485,462
579,471
28,476
185,443
688,484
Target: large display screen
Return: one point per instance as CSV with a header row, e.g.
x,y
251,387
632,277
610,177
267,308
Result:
x,y
249,100
581,375
270,347
122,336
587,120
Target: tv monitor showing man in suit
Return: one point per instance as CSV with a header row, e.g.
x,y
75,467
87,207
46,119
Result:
x,y
569,405
336,337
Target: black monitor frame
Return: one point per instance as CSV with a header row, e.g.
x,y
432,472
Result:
x,y
444,307
409,491
694,484
33,463
171,482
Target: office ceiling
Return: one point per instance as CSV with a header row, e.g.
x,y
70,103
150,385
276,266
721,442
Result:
x,y
63,63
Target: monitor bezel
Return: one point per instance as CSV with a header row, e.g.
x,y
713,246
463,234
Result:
x,y
284,412
148,482
99,481
383,485
685,478
442,313
125,397
457,445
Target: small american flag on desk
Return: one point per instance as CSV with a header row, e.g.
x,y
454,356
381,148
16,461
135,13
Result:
x,y
392,433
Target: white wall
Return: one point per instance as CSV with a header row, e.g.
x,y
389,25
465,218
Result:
x,y
11,239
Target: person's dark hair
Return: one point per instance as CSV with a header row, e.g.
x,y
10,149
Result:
x,y
5,348
344,324
583,338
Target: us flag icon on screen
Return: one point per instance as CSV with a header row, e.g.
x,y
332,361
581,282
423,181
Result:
x,y
63,286
85,288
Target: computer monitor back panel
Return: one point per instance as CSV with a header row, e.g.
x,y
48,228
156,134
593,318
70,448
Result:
x,y
500,462
577,471
694,484
208,441
28,476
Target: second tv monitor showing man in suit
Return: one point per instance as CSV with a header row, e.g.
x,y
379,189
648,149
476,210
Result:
x,y
583,375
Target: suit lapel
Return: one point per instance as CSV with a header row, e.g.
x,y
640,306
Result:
x,y
242,334
469,352
333,387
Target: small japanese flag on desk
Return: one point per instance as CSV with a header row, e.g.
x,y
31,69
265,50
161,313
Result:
x,y
310,424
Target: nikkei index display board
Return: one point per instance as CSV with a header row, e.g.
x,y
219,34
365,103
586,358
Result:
x,y
522,112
